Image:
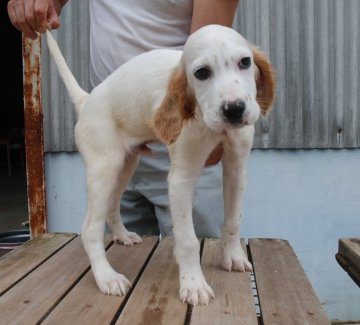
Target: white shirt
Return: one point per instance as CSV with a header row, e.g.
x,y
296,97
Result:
x,y
122,29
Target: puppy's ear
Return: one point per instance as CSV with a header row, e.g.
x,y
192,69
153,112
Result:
x,y
177,107
265,81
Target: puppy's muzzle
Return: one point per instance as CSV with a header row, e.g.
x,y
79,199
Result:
x,y
233,111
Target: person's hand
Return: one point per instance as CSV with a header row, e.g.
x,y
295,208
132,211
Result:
x,y
32,16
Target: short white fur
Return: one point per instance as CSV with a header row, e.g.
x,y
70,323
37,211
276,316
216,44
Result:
x,y
115,119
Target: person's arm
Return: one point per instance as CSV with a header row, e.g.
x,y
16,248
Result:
x,y
207,12
32,16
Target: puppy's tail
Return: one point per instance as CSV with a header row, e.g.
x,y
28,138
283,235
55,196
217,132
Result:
x,y
77,94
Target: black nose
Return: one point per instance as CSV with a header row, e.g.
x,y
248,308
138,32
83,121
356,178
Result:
x,y
233,111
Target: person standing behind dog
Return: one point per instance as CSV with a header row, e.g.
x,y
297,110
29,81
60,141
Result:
x,y
120,30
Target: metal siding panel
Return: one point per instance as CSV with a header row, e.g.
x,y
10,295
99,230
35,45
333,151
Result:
x,y
337,103
293,100
277,56
308,69
313,44
246,20
322,73
73,39
351,66
356,69
263,38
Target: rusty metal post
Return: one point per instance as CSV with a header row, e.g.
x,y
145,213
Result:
x,y
34,137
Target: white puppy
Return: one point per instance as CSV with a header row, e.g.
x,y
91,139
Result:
x,y
213,92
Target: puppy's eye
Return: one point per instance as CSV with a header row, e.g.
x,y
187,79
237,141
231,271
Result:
x,y
203,73
245,63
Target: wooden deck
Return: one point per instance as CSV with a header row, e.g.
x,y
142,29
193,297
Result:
x,y
348,257
49,281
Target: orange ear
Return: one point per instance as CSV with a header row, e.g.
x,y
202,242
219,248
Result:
x,y
177,107
265,81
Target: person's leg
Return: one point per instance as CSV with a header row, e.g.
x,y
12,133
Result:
x,y
151,183
208,206
146,189
208,203
145,204
138,213
164,218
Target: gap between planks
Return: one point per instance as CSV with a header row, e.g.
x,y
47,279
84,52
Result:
x,y
234,302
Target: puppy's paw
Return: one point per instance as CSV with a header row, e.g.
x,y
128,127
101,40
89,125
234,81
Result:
x,y
195,290
128,238
235,259
112,283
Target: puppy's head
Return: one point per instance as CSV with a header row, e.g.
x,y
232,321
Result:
x,y
229,80
233,81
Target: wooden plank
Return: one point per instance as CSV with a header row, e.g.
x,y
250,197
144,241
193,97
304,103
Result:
x,y
22,260
348,257
155,299
85,304
285,293
29,300
350,247
234,302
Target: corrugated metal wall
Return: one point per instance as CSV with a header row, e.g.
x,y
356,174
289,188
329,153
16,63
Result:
x,y
313,44
315,47
73,39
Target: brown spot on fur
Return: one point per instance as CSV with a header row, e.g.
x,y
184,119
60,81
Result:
x,y
265,81
177,107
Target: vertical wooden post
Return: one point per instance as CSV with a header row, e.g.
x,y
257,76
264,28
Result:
x,y
34,137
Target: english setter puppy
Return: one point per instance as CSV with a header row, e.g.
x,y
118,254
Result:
x,y
210,93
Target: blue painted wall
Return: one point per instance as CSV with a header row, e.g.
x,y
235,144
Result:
x,y
309,197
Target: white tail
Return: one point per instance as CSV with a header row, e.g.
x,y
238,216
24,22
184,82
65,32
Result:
x,y
77,94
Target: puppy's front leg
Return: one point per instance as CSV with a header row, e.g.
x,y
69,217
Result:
x,y
237,147
186,165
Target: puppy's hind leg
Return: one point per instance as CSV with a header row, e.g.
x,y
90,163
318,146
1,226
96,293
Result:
x,y
113,219
103,172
